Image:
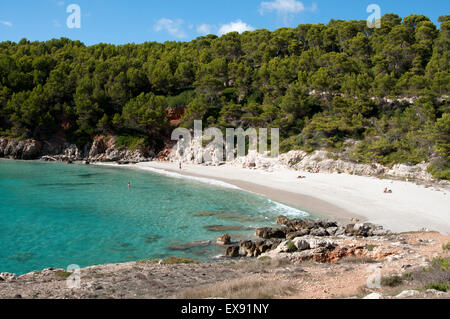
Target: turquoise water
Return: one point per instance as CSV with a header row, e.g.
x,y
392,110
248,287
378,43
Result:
x,y
55,215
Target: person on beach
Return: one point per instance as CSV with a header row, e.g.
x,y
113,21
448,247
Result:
x,y
179,164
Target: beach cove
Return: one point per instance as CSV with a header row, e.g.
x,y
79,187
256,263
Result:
x,y
55,215
339,197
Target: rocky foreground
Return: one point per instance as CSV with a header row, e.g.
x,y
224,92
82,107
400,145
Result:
x,y
301,259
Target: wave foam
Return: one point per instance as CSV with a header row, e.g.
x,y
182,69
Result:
x,y
288,211
209,181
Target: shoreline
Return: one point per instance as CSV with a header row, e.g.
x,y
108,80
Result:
x,y
342,197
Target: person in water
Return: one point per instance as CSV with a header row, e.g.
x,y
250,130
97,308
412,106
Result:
x,y
129,184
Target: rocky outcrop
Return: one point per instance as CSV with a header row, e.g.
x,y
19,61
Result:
x,y
232,252
7,277
308,240
24,150
268,233
224,239
102,149
318,161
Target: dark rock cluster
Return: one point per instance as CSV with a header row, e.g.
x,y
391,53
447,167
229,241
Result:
x,y
296,229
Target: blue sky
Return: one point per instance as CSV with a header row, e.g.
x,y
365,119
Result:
x,y
121,21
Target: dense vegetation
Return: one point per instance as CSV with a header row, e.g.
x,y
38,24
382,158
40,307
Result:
x,y
323,85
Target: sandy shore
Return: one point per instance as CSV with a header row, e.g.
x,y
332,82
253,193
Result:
x,y
338,197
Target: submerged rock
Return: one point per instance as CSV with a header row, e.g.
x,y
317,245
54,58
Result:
x,y
220,228
190,245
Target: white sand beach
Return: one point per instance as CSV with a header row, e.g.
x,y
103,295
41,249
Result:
x,y
338,197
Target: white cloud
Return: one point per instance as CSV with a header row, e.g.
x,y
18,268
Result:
x,y
206,29
282,7
173,27
236,26
6,23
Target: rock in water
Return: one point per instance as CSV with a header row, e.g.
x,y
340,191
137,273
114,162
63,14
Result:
x,y
224,239
282,221
232,252
268,233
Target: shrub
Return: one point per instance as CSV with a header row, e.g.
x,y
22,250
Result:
x,y
440,287
180,260
63,274
130,142
441,263
392,281
291,247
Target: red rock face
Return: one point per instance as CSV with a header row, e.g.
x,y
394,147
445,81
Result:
x,y
175,115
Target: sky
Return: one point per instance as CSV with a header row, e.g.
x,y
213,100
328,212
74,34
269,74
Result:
x,y
138,21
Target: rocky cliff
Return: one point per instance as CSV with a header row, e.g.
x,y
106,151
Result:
x,y
318,161
102,149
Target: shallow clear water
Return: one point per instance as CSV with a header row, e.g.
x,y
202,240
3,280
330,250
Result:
x,y
55,215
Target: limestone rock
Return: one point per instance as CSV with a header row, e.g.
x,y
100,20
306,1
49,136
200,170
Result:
x,y
268,233
224,239
232,251
4,276
407,294
301,244
374,295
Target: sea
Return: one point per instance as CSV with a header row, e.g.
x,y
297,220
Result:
x,y
55,215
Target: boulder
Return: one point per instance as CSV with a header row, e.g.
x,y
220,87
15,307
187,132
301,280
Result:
x,y
299,233
340,231
374,296
349,229
249,248
301,244
274,242
262,246
98,147
407,294
300,224
331,231
3,143
321,243
224,239
31,150
232,252
321,232
4,276
363,230
268,233
283,247
282,221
